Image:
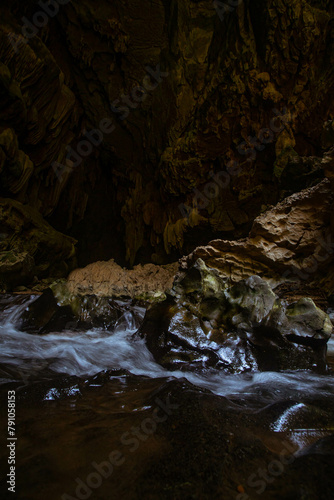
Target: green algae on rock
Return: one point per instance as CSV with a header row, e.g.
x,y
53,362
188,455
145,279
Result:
x,y
207,321
16,268
263,67
25,232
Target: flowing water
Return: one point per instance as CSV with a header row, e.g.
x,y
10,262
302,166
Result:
x,y
79,395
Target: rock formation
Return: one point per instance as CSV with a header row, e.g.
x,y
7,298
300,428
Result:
x,y
107,279
215,118
209,322
290,242
29,246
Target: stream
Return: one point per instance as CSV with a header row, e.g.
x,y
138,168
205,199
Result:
x,y
97,417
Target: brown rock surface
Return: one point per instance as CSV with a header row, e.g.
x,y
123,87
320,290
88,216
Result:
x,y
290,241
23,231
227,80
293,291
110,280
15,269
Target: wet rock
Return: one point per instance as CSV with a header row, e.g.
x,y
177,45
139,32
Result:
x,y
324,446
293,291
199,282
240,327
305,319
39,313
108,313
53,312
63,319
253,297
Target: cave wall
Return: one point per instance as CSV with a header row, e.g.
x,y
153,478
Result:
x,y
212,117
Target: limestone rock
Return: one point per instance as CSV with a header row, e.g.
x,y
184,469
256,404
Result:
x,y
199,281
16,269
293,291
254,297
234,327
250,88
291,241
108,279
24,231
16,168
305,319
54,311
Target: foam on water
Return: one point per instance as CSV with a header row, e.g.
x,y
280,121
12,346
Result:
x,y
87,353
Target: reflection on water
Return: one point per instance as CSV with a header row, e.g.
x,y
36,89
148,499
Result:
x,y
78,393
84,354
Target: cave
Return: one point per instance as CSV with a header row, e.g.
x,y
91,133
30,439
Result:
x,y
166,248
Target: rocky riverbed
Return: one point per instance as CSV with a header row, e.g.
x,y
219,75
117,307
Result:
x,y
218,390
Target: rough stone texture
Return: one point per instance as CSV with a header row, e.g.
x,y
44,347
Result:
x,y
24,231
250,302
305,319
254,297
148,282
55,310
235,327
15,269
293,291
291,241
226,82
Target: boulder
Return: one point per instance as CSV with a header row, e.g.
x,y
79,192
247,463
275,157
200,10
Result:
x,y
291,241
293,291
253,297
108,279
39,313
55,310
209,322
305,320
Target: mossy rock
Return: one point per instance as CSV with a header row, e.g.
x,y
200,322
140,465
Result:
x,y
283,160
26,232
16,268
